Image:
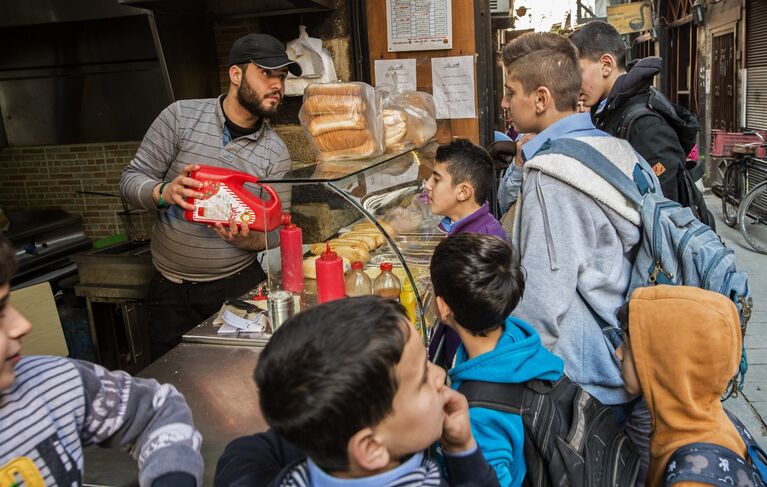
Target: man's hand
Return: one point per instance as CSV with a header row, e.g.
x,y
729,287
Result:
x,y
182,187
240,236
456,428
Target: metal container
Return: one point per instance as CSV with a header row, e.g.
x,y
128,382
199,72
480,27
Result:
x,y
281,307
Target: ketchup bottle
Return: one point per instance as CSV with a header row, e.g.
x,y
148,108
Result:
x,y
330,276
291,255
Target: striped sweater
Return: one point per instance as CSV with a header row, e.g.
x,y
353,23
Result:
x,y
56,406
193,132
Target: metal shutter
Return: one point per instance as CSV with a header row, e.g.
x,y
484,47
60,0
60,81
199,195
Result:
x,y
756,64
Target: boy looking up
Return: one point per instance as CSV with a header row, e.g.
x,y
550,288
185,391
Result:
x,y
477,283
347,383
459,189
50,407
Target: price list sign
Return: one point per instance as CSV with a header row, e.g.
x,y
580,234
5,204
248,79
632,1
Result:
x,y
419,25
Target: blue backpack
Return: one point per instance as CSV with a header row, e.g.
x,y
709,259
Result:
x,y
675,247
711,464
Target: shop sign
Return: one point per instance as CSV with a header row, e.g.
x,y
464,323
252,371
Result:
x,y
630,17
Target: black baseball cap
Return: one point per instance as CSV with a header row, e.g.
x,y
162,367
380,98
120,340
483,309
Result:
x,y
264,50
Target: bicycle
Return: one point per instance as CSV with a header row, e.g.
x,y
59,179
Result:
x,y
744,193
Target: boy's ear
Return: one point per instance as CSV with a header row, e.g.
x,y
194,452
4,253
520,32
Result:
x,y
543,100
443,309
465,192
608,64
367,451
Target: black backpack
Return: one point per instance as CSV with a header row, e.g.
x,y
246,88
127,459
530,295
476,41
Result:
x,y
710,464
570,437
686,127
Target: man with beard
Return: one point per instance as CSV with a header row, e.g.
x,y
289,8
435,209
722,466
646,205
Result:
x,y
200,266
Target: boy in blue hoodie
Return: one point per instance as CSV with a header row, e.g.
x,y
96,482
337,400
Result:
x,y
477,283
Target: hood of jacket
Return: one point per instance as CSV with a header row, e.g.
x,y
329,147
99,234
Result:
x,y
518,357
637,79
686,345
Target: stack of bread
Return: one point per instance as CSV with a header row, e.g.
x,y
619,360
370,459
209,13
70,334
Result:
x,y
409,119
354,245
342,120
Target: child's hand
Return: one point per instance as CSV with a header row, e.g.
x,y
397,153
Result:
x,y
456,428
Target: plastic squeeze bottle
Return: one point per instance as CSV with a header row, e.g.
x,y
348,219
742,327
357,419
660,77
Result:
x,y
357,282
291,255
408,300
330,276
387,285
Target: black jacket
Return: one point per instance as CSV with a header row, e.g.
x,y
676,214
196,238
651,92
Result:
x,y
651,136
263,460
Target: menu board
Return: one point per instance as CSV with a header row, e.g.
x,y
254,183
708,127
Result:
x,y
419,25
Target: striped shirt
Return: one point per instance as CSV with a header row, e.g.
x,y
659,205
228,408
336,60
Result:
x,y
193,132
56,405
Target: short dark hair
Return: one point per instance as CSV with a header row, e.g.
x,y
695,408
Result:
x,y
329,372
545,59
597,38
468,163
7,261
479,277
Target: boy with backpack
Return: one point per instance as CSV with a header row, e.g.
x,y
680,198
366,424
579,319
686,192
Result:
x,y
682,373
624,103
520,404
347,383
51,407
576,234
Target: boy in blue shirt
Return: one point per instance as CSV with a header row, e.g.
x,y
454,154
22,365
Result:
x,y
477,283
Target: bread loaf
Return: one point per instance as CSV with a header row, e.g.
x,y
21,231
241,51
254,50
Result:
x,y
328,123
333,104
369,226
341,139
365,150
395,125
342,89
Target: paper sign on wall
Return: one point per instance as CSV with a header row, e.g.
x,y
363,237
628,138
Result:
x,y
419,25
399,73
453,86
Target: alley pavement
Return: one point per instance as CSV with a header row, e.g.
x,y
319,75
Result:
x,y
751,405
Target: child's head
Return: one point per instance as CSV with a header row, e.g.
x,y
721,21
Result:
x,y
543,80
348,382
461,180
664,349
13,326
477,281
602,56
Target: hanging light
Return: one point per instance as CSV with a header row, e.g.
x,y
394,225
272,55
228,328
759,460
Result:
x,y
698,11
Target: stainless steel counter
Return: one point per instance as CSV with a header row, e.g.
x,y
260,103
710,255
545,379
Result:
x,y
217,381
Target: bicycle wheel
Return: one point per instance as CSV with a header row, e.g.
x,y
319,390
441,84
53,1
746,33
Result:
x,y
752,216
731,187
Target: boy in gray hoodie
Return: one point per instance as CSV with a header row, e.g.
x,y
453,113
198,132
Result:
x,y
577,236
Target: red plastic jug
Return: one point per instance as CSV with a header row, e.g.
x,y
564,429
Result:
x,y
225,197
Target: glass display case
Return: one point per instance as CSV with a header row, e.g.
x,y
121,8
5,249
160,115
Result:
x,y
385,191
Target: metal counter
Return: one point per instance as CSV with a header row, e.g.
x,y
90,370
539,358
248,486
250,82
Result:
x,y
217,382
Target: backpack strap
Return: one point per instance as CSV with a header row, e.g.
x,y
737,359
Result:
x,y
506,397
757,456
597,162
631,115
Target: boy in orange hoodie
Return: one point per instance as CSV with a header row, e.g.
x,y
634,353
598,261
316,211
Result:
x,y
681,347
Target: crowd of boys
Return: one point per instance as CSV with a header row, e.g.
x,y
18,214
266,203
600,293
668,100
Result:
x,y
352,396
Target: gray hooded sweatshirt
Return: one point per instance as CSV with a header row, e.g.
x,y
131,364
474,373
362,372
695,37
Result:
x,y
577,236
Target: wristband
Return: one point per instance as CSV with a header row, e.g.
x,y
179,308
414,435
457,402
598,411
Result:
x,y
162,204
